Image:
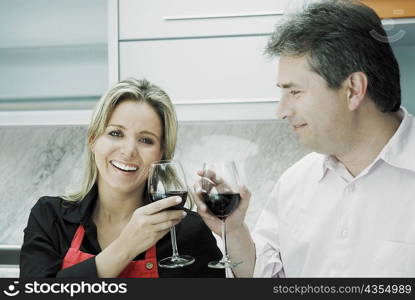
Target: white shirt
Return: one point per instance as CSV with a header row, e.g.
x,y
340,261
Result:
x,y
320,221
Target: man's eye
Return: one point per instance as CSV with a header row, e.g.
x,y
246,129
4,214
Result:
x,y
115,133
146,141
294,92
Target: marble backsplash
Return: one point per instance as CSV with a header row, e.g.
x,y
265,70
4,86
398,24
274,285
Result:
x,y
45,160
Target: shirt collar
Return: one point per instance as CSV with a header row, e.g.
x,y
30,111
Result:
x,y
326,163
81,211
399,151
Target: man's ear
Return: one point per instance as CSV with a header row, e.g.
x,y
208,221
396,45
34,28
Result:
x,y
356,85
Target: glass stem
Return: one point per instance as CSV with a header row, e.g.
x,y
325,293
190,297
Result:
x,y
174,242
225,244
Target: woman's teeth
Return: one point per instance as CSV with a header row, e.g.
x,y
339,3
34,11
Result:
x,y
124,167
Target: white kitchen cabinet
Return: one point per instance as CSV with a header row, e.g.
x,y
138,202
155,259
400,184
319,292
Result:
x,y
195,18
208,55
203,70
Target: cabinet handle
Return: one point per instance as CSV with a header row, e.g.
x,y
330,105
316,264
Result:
x,y
202,17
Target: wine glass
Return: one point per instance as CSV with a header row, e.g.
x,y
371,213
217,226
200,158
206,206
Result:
x,y
220,192
166,179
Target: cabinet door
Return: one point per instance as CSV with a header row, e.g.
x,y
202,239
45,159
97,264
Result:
x,y
197,70
392,9
185,18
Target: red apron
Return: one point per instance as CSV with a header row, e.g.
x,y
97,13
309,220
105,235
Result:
x,y
145,268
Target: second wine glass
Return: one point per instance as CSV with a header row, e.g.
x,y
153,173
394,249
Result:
x,y
167,179
220,193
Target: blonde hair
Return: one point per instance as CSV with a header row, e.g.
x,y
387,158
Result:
x,y
129,89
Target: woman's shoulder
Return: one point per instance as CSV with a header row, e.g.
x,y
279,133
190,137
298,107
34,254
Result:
x,y
51,206
48,202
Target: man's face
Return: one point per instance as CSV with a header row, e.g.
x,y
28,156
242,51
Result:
x,y
318,115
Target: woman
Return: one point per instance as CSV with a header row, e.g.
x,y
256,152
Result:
x,y
108,228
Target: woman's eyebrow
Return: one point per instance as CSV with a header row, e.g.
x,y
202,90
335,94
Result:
x,y
150,133
116,125
141,132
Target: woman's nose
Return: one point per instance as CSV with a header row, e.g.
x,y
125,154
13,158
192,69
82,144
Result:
x,y
129,148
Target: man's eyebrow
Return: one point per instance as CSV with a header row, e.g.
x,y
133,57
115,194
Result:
x,y
288,85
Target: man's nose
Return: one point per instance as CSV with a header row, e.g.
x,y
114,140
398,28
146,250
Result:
x,y
284,109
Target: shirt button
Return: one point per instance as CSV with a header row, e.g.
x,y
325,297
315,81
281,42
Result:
x,y
149,265
344,233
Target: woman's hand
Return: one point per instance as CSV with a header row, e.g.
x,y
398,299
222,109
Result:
x,y
149,224
235,221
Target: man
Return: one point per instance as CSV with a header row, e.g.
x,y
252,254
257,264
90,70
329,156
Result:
x,y
348,208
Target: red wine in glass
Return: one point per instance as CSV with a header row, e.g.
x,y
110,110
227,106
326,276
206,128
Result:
x,y
181,194
221,205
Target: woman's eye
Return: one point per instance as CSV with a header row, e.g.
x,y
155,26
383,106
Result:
x,y
115,133
146,141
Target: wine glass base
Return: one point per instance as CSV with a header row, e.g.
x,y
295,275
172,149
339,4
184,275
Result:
x,y
223,264
176,261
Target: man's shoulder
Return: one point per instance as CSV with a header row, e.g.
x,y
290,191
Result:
x,y
310,165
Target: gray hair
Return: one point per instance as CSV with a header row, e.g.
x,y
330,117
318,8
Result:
x,y
337,37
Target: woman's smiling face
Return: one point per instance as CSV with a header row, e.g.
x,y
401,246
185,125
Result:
x,y
130,143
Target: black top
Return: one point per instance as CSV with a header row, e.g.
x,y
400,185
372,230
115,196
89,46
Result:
x,y
52,225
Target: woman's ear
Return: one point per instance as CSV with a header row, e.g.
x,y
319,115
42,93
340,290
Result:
x,y
356,89
92,147
91,143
